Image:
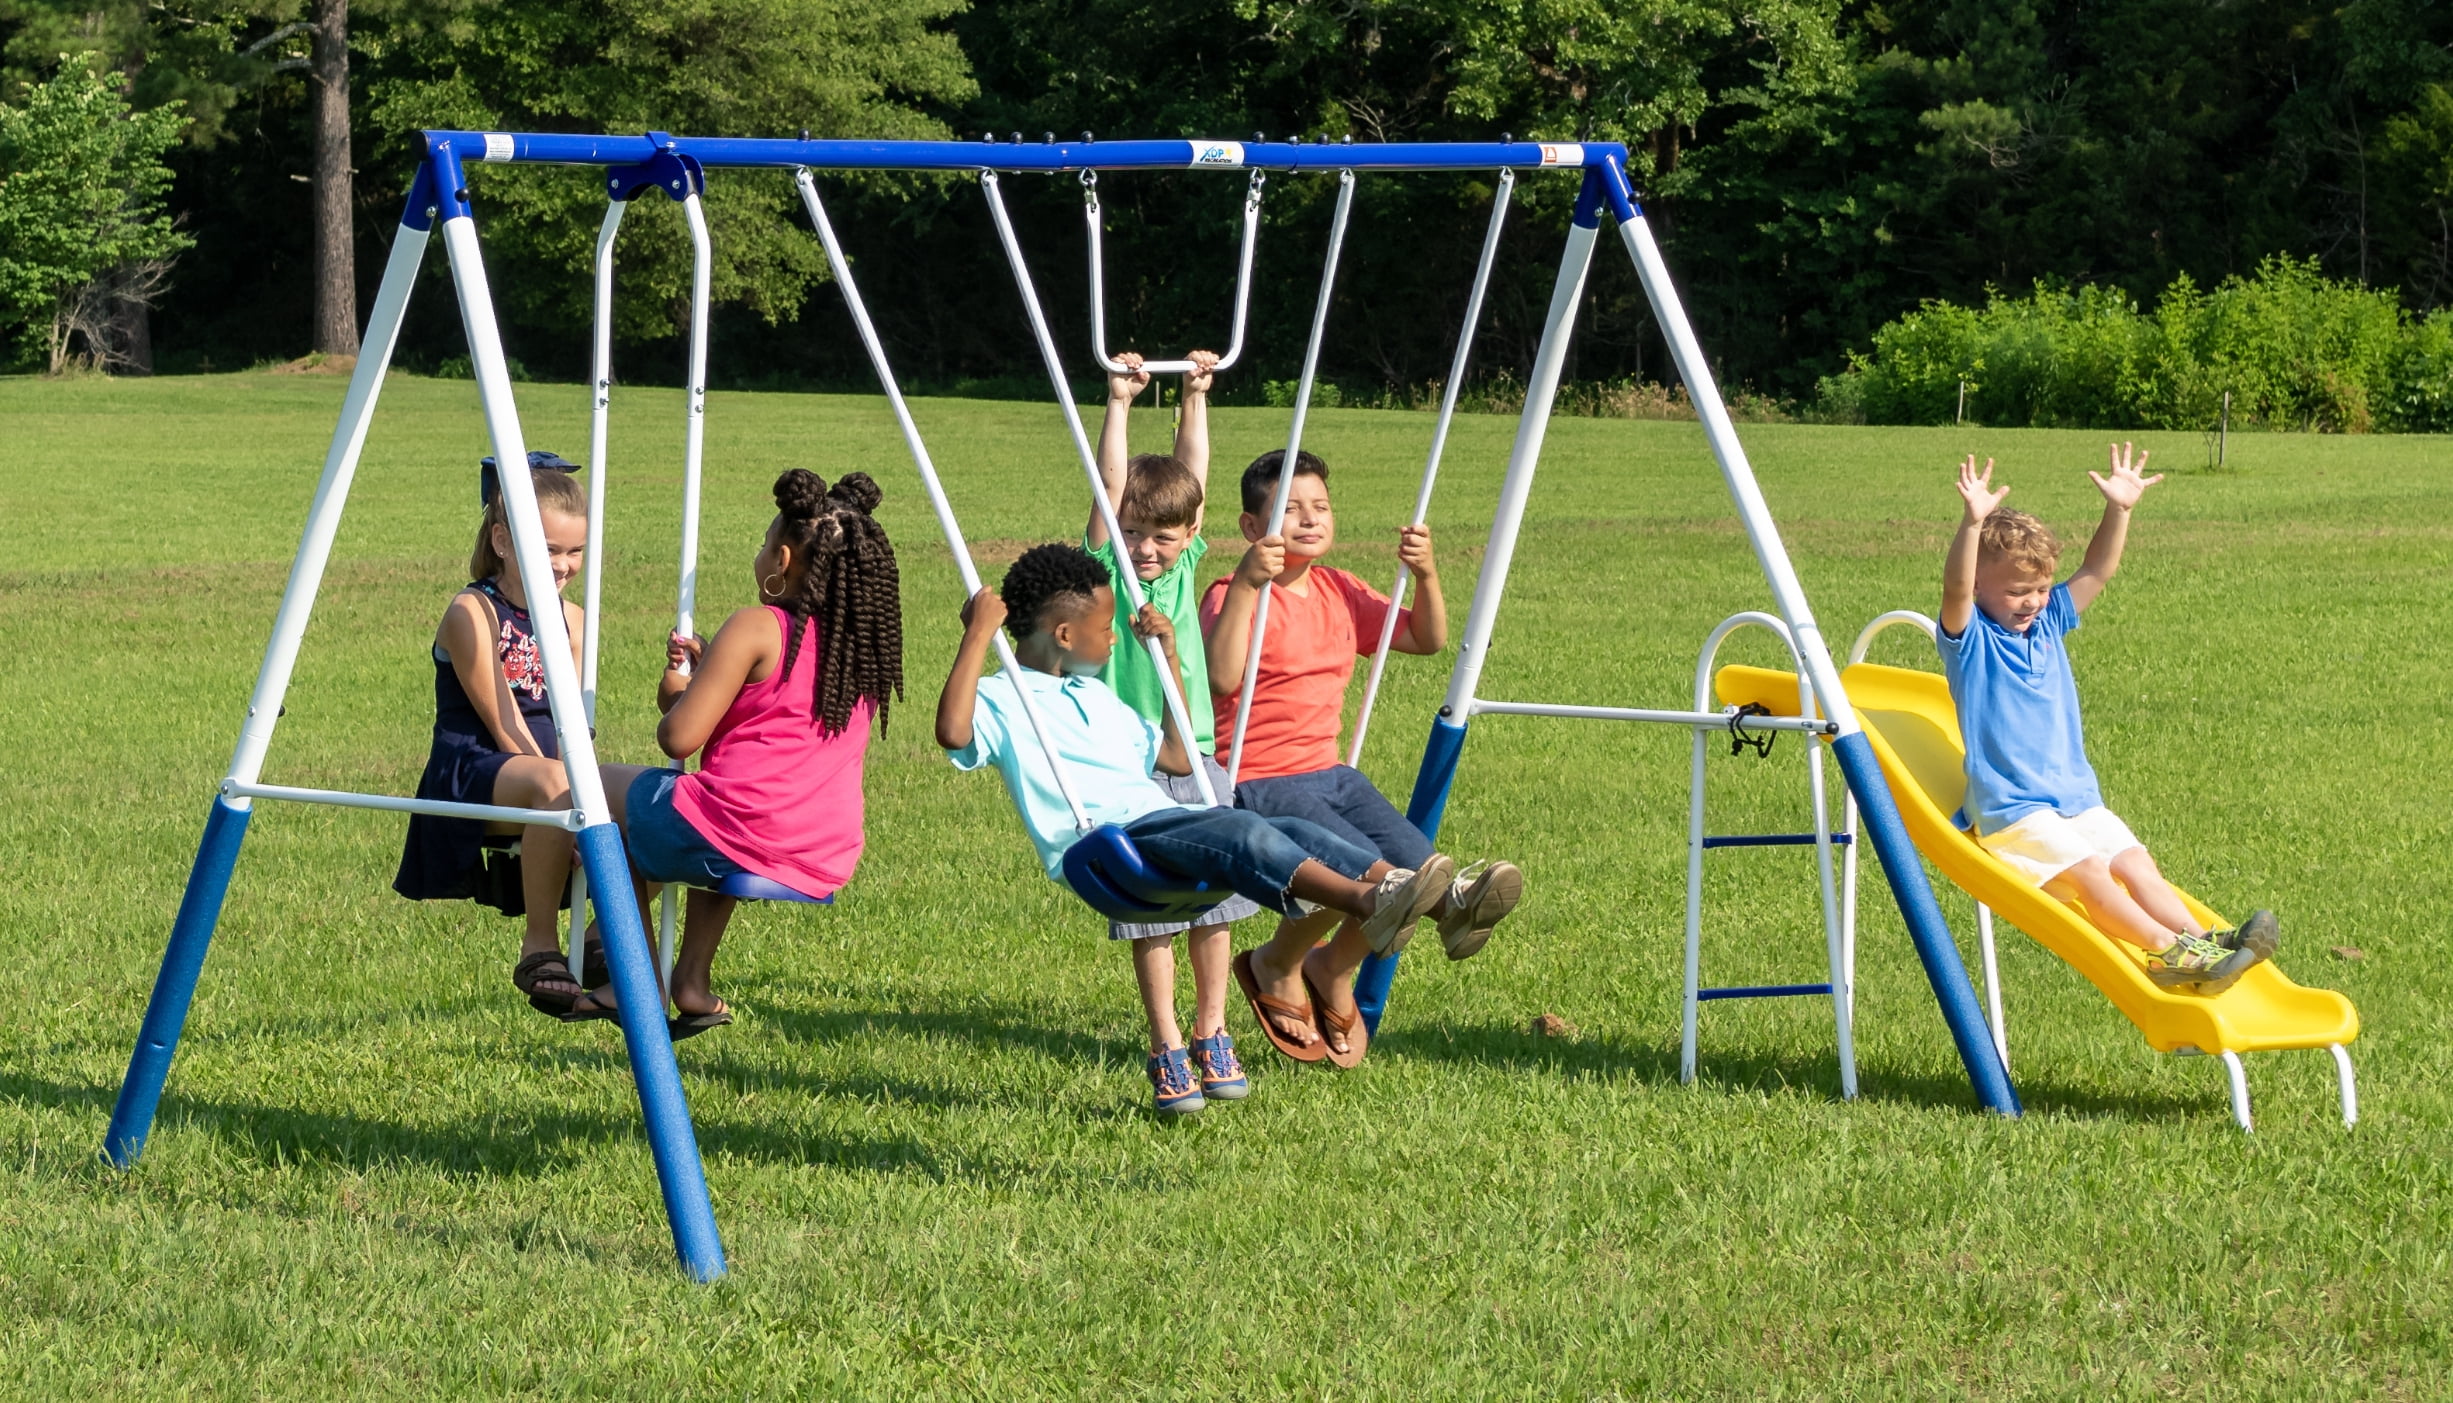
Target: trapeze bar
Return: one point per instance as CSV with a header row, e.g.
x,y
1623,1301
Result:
x,y
552,148
1697,719
1774,840
1762,991
483,813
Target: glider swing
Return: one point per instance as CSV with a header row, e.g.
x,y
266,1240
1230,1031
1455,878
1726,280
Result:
x,y
682,179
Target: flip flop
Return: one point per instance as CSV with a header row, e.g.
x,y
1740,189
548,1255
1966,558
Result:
x,y
533,970
1263,1006
1333,1024
690,1025
595,1012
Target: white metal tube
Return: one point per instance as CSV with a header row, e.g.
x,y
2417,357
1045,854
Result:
x,y
1894,619
1787,594
1701,720
702,259
388,803
842,268
2350,1086
1549,359
1098,285
1834,947
600,381
1439,446
2239,1079
324,515
1993,985
1169,682
1694,915
1286,466
536,574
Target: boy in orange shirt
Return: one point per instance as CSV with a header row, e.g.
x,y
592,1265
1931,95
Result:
x,y
1320,619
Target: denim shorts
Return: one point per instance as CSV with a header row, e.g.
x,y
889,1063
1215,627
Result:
x,y
1340,800
663,846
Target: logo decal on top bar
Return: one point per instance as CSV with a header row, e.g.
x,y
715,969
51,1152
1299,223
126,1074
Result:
x,y
1562,154
497,146
1217,153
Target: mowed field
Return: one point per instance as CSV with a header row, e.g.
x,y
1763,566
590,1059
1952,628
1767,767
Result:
x,y
378,1174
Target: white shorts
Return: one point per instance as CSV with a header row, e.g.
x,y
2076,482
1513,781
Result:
x,y
2044,845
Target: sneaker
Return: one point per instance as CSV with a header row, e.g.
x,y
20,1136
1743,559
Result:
x,y
1402,899
2260,932
1479,896
1222,1073
2197,963
1172,1085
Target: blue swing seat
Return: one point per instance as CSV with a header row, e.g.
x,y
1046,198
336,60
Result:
x,y
1110,875
749,886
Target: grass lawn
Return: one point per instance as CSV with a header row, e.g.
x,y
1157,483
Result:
x,y
378,1174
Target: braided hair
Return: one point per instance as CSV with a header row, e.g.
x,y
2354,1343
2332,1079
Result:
x,y
1043,576
849,583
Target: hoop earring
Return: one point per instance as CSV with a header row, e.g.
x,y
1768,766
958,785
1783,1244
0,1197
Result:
x,y
774,589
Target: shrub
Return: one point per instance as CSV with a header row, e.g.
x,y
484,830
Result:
x,y
2294,349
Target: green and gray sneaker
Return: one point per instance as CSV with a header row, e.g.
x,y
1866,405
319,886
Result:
x,y
2198,964
2260,932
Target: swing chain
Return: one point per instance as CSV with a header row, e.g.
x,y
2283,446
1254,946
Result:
x,y
1741,740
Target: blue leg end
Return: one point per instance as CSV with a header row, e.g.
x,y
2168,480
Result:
x,y
174,988
1424,810
670,1138
1880,823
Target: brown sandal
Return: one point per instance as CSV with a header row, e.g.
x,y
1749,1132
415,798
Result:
x,y
1336,1027
1265,1009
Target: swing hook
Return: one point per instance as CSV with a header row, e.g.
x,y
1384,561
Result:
x,y
1252,192
1090,187
1742,740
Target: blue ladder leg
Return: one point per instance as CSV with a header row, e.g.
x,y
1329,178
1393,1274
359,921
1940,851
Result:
x,y
208,881
1424,810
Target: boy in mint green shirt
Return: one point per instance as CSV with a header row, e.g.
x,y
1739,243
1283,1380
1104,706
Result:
x,y
1158,501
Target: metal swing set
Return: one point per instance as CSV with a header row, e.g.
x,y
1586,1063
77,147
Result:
x,y
1102,867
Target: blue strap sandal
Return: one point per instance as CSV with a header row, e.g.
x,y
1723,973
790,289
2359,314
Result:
x,y
1222,1073
1175,1090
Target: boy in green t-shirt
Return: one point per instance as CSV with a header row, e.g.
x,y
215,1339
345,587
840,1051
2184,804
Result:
x,y
1158,502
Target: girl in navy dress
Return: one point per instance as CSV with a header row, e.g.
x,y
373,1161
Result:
x,y
494,734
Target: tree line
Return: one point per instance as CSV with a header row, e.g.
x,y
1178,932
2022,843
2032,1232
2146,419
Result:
x,y
1815,168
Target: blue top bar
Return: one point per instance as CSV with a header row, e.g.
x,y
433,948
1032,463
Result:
x,y
566,150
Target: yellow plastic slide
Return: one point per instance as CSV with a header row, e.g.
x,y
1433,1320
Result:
x,y
1915,732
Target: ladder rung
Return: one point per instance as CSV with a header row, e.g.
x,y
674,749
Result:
x,y
1773,840
1761,991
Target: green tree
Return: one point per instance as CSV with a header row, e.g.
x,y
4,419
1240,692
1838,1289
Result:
x,y
846,68
81,215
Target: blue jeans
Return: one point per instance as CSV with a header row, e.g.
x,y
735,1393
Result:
x,y
1340,800
1255,856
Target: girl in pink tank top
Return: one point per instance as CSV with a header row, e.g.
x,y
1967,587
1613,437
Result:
x,y
778,705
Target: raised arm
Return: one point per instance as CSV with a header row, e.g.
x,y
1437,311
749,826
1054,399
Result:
x,y
1959,567
1115,449
1229,637
1174,755
467,637
982,615
1425,629
2121,493
1192,421
746,649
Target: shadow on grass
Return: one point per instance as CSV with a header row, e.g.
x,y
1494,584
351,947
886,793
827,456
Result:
x,y
1511,1047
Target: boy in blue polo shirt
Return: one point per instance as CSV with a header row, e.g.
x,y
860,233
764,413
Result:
x,y
2032,799
1062,616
